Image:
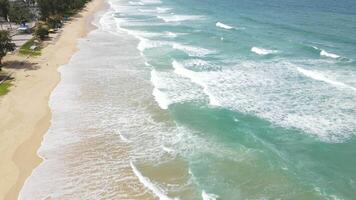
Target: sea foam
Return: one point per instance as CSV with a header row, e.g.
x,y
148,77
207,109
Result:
x,y
329,55
179,18
160,97
193,50
326,54
261,51
159,192
209,196
136,3
224,26
321,77
148,2
194,77
162,9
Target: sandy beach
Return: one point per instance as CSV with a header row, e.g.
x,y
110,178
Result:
x,y
24,111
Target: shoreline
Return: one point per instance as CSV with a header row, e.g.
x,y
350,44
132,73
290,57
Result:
x,y
25,111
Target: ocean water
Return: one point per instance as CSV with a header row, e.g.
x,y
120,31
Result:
x,y
188,99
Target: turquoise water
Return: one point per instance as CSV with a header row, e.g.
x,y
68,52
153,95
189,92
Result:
x,y
188,99
270,84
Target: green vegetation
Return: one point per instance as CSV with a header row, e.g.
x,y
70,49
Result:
x,y
55,22
19,12
26,48
63,8
6,44
42,31
4,8
4,87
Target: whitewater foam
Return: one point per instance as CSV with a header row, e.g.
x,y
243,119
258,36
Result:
x,y
329,55
123,138
251,87
261,51
208,196
320,77
159,192
224,26
160,97
136,3
325,53
162,9
195,77
193,50
167,149
179,18
149,2
171,34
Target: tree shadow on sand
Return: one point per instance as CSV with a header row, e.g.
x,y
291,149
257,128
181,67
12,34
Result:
x,y
5,77
20,65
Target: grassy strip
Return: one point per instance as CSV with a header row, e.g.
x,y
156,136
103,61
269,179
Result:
x,y
4,87
26,48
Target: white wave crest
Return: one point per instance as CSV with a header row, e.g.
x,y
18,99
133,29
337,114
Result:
x,y
192,50
195,78
159,192
208,196
326,54
162,9
167,149
329,55
146,44
136,3
171,34
160,97
151,1
261,51
224,26
179,18
320,77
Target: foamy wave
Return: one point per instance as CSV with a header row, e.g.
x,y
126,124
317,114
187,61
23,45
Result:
x,y
201,65
192,50
162,9
179,18
123,138
194,77
147,44
320,77
316,109
208,196
151,1
156,10
171,34
261,51
168,150
159,192
224,26
160,97
327,54
136,3
147,10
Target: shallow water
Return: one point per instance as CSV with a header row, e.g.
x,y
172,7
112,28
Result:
x,y
206,100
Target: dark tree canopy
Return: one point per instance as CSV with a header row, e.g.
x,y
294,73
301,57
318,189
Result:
x,y
19,12
59,7
4,8
6,44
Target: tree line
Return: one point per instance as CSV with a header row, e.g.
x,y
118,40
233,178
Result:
x,y
49,14
19,11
